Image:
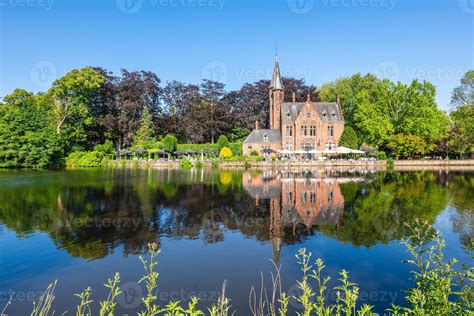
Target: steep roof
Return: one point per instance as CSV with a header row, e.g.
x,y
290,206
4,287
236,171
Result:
x,y
327,111
257,136
277,82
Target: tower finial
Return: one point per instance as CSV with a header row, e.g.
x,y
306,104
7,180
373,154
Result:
x,y
276,51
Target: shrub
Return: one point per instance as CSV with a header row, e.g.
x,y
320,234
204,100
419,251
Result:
x,y
107,148
185,164
381,155
81,159
225,153
254,153
222,142
170,143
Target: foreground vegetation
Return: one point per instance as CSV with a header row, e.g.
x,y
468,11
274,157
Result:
x,y
438,288
92,106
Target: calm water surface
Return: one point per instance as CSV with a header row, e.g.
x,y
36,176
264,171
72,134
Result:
x,y
80,227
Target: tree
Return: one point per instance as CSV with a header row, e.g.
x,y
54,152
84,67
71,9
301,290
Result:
x,y
464,94
27,135
219,117
71,97
407,145
349,138
222,142
145,134
462,137
169,143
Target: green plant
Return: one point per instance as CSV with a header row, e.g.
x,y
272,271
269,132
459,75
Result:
x,y
222,142
390,164
185,164
254,153
170,143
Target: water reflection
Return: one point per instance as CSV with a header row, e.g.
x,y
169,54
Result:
x,y
89,213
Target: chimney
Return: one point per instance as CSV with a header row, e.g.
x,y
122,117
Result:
x,y
294,98
338,100
256,125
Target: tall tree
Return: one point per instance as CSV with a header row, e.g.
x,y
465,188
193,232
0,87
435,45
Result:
x,y
145,134
218,113
464,94
71,97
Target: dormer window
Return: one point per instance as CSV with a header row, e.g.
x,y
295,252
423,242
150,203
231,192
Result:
x,y
288,114
333,114
324,114
265,138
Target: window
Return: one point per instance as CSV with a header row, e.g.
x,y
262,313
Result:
x,y
330,131
289,146
288,114
312,197
303,197
289,197
265,138
324,114
330,196
303,130
289,130
333,114
308,115
312,130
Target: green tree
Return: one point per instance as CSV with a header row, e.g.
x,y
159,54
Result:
x,y
169,143
27,137
71,96
464,94
222,142
349,138
145,134
407,145
462,138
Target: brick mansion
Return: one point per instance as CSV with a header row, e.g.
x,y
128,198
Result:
x,y
296,126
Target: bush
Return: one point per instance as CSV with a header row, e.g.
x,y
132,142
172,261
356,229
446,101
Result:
x,y
254,153
81,159
381,155
349,138
222,142
225,153
170,143
107,148
185,164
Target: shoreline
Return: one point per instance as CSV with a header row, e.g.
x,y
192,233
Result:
x,y
352,165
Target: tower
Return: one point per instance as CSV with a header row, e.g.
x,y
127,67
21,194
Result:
x,y
276,96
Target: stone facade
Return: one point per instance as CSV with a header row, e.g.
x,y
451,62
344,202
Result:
x,y
296,125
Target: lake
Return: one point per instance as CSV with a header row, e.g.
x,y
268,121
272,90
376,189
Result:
x,y
81,226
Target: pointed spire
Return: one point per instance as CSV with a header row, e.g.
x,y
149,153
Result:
x,y
276,83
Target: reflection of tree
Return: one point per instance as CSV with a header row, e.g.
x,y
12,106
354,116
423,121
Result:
x,y
91,212
379,209
461,189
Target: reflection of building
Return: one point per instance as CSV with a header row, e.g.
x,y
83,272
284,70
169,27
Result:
x,y
296,125
295,201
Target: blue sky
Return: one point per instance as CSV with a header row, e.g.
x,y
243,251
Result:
x,y
234,41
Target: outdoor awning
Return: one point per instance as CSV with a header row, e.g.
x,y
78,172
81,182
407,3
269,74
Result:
x,y
343,150
329,151
300,151
285,152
